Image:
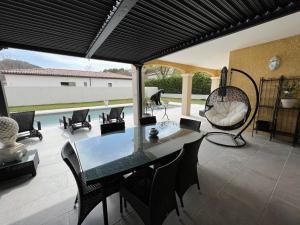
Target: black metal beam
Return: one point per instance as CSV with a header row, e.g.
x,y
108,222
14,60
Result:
x,y
115,16
139,87
3,102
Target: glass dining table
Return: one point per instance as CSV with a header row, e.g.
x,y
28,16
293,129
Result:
x,y
127,151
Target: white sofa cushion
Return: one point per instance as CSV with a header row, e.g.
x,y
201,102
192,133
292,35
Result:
x,y
227,113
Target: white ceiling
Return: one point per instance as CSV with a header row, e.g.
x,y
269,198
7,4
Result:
x,y
215,54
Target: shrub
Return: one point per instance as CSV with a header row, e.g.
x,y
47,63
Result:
x,y
201,84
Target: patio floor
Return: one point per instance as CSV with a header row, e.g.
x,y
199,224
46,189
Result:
x,y
257,184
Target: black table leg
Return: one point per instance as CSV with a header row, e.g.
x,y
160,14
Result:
x,y
121,204
105,216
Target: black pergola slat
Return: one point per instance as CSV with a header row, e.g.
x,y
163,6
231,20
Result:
x,y
150,29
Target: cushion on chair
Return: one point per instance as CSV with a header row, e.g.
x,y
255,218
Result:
x,y
227,113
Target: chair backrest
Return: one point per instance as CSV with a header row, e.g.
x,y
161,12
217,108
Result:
x,y
68,154
162,194
190,124
25,120
79,116
112,127
115,113
148,120
187,170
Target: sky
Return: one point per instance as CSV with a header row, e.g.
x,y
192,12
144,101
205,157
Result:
x,y
48,60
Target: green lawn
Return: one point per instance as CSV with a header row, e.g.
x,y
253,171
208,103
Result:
x,y
194,101
87,104
66,105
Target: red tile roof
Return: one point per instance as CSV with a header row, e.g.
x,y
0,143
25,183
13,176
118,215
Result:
x,y
65,73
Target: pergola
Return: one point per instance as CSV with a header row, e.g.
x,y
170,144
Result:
x,y
128,31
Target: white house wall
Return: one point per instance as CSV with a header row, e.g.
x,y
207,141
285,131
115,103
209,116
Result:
x,y
51,81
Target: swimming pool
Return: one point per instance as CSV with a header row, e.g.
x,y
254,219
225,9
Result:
x,y
53,118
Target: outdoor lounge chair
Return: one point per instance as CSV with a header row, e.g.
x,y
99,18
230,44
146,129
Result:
x,y
25,121
115,115
78,120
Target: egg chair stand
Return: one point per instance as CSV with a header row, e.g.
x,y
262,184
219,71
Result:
x,y
231,94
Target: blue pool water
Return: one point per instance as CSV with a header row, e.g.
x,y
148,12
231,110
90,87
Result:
x,y
53,118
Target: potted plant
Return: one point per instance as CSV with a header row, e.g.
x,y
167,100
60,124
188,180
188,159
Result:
x,y
288,99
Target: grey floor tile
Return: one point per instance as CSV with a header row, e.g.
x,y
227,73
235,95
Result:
x,y
288,187
281,213
251,188
61,220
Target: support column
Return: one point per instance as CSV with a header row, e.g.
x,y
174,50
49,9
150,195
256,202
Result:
x,y
215,82
187,81
3,102
138,87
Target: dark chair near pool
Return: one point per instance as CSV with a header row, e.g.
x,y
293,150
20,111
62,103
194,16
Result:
x,y
115,115
25,122
148,120
190,124
78,120
151,193
107,128
187,171
89,196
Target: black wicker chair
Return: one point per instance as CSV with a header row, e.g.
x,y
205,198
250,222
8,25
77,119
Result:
x,y
187,171
115,115
148,120
151,193
190,124
112,127
25,121
89,196
78,120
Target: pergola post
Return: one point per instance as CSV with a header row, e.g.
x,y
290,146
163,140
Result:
x,y
3,102
187,81
138,87
214,83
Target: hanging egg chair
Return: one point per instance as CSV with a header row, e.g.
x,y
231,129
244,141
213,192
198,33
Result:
x,y
228,108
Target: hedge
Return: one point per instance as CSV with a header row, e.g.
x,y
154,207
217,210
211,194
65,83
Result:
x,y
201,84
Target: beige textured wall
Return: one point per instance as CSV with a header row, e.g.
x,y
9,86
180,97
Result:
x,y
254,60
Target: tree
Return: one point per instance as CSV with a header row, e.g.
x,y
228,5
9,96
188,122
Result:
x,y
118,70
160,71
201,83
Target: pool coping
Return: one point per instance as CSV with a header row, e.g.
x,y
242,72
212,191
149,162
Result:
x,y
53,111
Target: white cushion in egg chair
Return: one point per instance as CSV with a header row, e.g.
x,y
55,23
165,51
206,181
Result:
x,y
227,113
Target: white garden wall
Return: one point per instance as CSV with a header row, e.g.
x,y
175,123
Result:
x,y
21,96
149,91
55,81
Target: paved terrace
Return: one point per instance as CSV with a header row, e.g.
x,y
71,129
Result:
x,y
257,184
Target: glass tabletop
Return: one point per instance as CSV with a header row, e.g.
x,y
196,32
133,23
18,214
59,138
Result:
x,y
122,152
